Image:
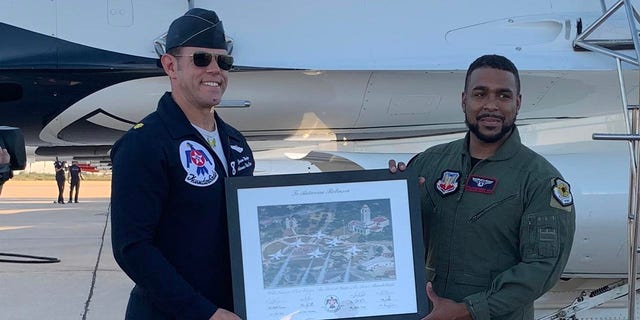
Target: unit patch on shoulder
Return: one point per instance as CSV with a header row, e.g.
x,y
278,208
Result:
x,y
561,195
448,184
198,163
138,125
481,184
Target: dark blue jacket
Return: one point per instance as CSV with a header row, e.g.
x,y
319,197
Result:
x,y
74,172
168,211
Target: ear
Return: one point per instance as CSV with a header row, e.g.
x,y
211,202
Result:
x,y
518,103
170,65
463,103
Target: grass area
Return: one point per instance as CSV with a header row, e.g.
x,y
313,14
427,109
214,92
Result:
x,y
49,176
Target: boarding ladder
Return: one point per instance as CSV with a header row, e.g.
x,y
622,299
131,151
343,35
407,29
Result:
x,y
589,300
632,120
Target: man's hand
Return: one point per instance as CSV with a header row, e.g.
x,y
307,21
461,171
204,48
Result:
x,y
4,156
394,168
445,308
401,166
222,314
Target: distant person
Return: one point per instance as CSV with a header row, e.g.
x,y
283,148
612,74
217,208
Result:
x,y
75,174
5,167
498,218
59,166
169,216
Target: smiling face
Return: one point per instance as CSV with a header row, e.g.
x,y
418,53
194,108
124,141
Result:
x,y
193,86
491,102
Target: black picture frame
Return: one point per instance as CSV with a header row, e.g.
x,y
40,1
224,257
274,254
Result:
x,y
334,245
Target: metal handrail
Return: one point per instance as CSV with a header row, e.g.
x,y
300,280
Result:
x,y
633,135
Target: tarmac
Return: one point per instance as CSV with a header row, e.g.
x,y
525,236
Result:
x,y
86,283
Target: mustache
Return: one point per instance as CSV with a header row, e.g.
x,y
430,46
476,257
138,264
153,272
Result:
x,y
489,115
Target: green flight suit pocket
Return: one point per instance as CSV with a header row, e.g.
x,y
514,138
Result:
x,y
543,237
466,284
476,280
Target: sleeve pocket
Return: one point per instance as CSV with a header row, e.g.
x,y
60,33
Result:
x,y
543,237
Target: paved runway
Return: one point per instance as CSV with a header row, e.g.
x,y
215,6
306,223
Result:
x,y
86,283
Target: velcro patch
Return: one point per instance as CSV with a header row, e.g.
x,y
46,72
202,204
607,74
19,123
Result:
x,y
481,184
448,184
561,196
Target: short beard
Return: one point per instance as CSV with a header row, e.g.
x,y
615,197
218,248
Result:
x,y
489,139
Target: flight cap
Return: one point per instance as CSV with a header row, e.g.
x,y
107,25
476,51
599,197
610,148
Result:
x,y
196,28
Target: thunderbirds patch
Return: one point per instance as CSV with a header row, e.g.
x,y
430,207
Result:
x,y
198,164
562,197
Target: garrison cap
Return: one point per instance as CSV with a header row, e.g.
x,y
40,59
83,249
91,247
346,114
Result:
x,y
196,28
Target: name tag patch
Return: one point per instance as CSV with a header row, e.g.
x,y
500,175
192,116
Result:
x,y
241,164
481,184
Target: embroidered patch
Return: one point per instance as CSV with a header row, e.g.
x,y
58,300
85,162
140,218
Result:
x,y
238,149
198,163
561,193
481,184
448,183
243,163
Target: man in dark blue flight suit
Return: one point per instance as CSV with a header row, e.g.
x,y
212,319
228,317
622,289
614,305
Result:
x,y
59,166
169,226
75,174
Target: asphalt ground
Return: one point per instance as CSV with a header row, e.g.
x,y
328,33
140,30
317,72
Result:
x,y
86,283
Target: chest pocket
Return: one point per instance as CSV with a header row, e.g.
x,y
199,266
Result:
x,y
507,205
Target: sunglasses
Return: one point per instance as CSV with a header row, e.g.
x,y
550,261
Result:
x,y
203,59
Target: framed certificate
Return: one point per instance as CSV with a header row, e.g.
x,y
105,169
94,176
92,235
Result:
x,y
337,245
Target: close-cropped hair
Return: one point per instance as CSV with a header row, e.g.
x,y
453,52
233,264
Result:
x,y
496,62
175,51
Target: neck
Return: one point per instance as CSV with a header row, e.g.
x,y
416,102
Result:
x,y
203,120
201,117
482,150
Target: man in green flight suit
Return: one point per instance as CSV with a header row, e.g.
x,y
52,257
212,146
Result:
x,y
498,218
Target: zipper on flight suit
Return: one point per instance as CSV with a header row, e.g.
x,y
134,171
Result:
x,y
493,205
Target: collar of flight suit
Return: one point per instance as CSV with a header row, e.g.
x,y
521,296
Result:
x,y
177,123
507,150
